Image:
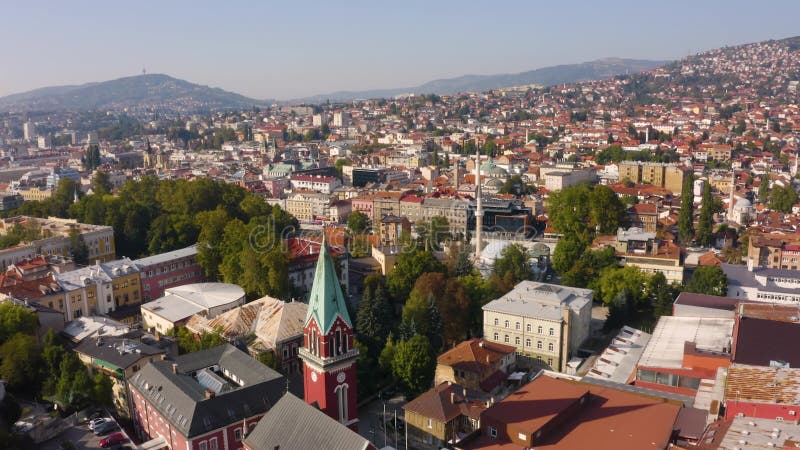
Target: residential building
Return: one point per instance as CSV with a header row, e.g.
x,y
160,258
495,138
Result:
x,y
329,353
644,216
641,249
778,251
684,351
180,303
749,433
573,415
667,176
102,288
119,357
204,400
476,364
293,424
55,241
546,323
317,183
391,228
265,325
309,206
166,270
443,416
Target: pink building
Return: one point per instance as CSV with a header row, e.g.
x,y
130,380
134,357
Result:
x,y
363,203
167,270
204,400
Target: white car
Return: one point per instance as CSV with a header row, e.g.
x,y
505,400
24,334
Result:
x,y
95,422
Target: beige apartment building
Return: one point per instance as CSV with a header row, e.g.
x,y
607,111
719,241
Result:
x,y
546,323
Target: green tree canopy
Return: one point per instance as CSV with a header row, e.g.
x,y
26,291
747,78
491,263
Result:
x,y
410,265
514,261
686,214
782,198
708,280
16,319
358,222
706,221
413,364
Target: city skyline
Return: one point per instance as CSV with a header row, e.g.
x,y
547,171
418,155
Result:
x,y
282,52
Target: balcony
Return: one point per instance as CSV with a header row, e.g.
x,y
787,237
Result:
x,y
324,362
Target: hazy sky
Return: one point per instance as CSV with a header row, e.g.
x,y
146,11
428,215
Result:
x,y
298,48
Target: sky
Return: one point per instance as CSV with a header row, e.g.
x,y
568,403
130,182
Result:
x,y
291,49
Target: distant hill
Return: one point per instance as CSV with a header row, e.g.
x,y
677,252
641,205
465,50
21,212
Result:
x,y
141,91
567,73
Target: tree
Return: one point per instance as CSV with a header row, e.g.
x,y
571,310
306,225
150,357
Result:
x,y
413,364
706,221
92,158
20,364
568,209
708,280
585,270
782,198
268,359
606,211
686,214
101,183
79,251
16,319
410,265
763,189
568,251
516,186
102,391
358,222
374,314
614,280
514,260
660,294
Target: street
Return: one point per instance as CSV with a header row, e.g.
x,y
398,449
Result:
x,y
369,424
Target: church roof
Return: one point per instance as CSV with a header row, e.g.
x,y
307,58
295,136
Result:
x,y
326,301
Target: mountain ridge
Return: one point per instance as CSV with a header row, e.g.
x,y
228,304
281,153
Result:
x,y
550,75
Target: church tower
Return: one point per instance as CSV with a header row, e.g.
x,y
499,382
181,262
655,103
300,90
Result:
x,y
329,354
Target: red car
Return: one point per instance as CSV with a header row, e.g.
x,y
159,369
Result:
x,y
116,438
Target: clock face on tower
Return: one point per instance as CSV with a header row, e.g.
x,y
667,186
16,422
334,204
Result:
x,y
340,377
313,376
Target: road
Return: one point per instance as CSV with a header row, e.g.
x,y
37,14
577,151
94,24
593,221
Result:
x,y
369,422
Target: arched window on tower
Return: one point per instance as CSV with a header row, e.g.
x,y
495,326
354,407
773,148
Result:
x,y
341,400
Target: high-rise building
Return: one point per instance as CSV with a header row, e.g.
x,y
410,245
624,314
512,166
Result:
x,y
341,119
29,130
329,354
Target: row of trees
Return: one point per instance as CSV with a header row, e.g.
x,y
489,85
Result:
x,y
237,232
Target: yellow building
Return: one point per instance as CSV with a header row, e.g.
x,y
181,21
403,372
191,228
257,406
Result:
x,y
630,171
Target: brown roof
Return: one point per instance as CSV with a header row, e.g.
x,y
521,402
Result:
x,y
447,401
473,354
763,384
610,420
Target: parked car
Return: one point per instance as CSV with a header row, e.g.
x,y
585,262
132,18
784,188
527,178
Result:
x,y
97,421
105,428
114,439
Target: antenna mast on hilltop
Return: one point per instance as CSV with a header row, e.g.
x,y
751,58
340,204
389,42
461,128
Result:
x,y
144,71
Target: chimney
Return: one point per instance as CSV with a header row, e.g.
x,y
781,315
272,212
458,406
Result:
x,y
209,394
174,368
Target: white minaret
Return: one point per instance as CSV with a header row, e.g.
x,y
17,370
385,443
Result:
x,y
478,207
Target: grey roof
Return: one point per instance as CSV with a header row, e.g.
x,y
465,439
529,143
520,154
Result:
x,y
120,351
738,275
165,257
292,424
181,399
540,300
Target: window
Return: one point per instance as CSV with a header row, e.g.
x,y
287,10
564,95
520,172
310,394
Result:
x,y
550,362
516,326
496,337
527,342
430,423
552,331
550,347
237,434
203,445
506,324
496,321
528,328
212,444
505,339
492,432
539,345
516,340
539,330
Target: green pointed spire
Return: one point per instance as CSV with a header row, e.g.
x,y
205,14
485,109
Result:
x,y
326,301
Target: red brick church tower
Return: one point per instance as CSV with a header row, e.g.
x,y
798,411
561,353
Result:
x,y
329,354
